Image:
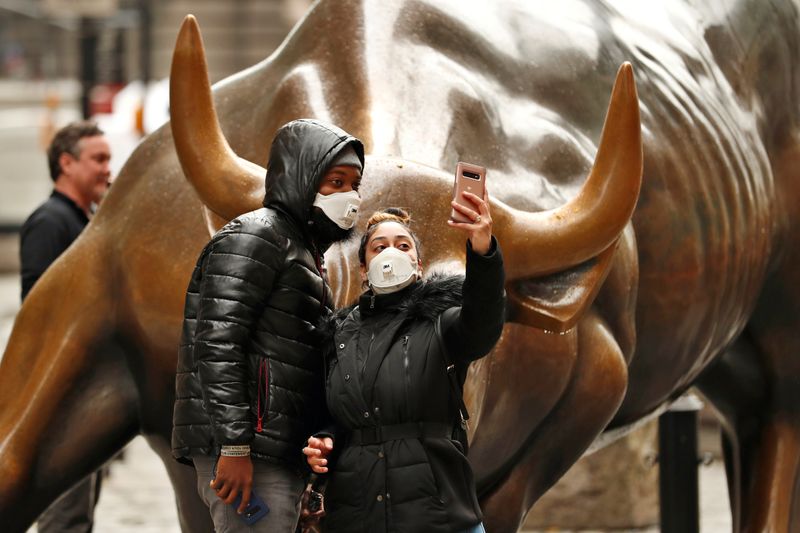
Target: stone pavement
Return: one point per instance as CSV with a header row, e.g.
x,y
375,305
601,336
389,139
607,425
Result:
x,y
137,497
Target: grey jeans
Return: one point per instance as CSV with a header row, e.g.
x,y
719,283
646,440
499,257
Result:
x,y
280,488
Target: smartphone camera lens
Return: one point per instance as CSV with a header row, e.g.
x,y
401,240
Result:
x,y
470,175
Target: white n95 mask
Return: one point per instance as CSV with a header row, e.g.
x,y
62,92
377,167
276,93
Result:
x,y
340,207
390,271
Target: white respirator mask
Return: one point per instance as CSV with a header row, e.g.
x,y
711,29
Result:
x,y
391,270
340,207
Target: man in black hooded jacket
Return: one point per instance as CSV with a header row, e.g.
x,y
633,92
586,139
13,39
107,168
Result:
x,y
249,378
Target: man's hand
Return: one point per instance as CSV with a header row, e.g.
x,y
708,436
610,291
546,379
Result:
x,y
234,476
317,452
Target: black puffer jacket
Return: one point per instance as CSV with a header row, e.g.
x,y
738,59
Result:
x,y
388,372
250,369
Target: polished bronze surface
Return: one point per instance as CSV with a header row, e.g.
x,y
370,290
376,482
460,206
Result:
x,y
615,307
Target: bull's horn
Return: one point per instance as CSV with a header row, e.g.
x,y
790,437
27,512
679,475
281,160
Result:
x,y
225,182
548,241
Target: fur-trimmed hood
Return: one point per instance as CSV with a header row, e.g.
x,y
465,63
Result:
x,y
432,296
424,300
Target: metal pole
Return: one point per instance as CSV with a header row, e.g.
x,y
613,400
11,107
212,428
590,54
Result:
x,y
145,40
677,459
88,47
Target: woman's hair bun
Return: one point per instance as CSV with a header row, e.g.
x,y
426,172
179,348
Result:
x,y
390,214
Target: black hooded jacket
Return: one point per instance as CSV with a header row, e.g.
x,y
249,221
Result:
x,y
250,369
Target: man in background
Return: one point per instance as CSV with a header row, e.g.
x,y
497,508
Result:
x,y
78,157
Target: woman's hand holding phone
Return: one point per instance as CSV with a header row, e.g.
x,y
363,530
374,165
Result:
x,y
479,230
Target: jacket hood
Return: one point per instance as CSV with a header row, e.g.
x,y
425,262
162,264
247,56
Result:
x,y
300,155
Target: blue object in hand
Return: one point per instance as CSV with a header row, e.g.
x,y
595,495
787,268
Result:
x,y
255,511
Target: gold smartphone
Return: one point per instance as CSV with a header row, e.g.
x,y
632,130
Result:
x,y
469,178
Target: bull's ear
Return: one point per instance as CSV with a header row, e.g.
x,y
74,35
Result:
x,y
555,302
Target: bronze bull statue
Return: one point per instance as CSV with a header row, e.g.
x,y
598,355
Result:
x,y
612,312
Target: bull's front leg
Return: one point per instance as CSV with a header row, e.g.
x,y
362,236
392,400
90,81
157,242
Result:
x,y
594,388
68,400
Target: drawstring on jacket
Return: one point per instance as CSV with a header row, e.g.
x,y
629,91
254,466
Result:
x,y
263,371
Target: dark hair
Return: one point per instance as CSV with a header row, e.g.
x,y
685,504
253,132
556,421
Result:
x,y
66,141
390,214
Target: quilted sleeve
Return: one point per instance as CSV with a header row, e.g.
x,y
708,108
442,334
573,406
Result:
x,y
238,275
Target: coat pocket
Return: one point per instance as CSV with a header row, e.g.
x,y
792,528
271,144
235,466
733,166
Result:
x,y
454,477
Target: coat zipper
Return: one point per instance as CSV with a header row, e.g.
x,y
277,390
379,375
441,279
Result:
x,y
263,372
406,364
320,261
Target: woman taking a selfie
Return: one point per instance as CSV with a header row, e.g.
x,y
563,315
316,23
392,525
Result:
x,y
393,460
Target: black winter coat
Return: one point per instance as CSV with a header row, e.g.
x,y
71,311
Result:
x,y
396,468
250,368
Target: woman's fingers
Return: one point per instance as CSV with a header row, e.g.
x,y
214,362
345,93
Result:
x,y
478,229
475,199
478,222
325,443
479,212
466,226
466,211
318,461
311,452
318,447
315,458
481,203
318,464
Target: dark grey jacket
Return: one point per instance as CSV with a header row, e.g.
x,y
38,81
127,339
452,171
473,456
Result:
x,y
250,369
397,468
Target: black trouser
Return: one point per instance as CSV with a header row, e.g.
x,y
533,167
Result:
x,y
73,511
